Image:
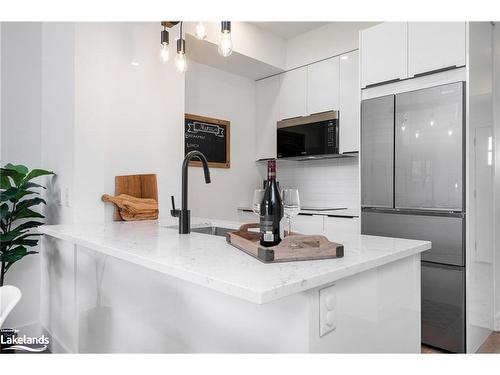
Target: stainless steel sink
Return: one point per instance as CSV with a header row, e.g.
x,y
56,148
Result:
x,y
212,230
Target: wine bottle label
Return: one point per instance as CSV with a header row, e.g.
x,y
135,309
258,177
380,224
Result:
x,y
267,229
268,236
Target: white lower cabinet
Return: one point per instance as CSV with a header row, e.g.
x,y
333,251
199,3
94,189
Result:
x,y
338,227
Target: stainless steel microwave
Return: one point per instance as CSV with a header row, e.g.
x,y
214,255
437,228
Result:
x,y
309,137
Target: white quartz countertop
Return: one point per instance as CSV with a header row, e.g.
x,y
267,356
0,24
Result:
x,y
209,261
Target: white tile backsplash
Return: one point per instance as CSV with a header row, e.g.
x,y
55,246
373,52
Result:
x,y
322,183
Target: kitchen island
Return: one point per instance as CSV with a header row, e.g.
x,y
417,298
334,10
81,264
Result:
x,y
142,287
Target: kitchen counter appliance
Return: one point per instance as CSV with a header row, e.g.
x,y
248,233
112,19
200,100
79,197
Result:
x,y
309,137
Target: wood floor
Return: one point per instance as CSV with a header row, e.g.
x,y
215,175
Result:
x,y
491,345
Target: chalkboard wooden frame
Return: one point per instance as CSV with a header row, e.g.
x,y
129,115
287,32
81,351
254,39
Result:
x,y
210,120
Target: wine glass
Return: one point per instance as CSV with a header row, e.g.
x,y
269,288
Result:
x,y
291,205
258,195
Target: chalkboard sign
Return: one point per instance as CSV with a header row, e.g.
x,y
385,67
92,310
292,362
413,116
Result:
x,y
210,136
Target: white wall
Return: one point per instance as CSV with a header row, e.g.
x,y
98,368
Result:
x,y
58,117
73,102
323,183
214,93
329,40
496,106
480,215
21,141
129,117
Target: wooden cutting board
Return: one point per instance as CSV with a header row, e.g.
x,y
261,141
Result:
x,y
132,208
295,247
137,185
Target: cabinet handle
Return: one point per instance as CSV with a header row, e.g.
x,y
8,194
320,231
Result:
x,y
451,67
382,83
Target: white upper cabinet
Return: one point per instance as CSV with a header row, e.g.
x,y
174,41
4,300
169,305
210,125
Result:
x,y
323,86
435,45
267,103
293,95
384,53
349,102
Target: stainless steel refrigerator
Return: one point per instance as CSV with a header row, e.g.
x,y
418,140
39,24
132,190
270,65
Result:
x,y
413,186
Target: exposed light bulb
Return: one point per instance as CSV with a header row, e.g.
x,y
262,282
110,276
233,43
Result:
x,y
226,44
180,59
200,31
180,62
164,53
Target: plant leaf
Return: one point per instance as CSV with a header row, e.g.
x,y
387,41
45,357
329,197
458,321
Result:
x,y
18,168
4,181
29,202
12,173
14,194
9,194
13,255
36,173
27,185
28,225
6,239
26,213
25,242
4,211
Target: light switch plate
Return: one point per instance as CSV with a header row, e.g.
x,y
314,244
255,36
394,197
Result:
x,y
327,310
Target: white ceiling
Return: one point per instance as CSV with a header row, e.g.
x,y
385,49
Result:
x,y
287,30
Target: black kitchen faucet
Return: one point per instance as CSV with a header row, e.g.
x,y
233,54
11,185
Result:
x,y
184,214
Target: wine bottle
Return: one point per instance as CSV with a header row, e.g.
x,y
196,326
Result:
x,y
271,209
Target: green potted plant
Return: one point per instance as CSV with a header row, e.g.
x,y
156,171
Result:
x,y
19,196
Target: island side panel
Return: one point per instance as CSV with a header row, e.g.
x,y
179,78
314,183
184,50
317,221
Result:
x,y
376,311
58,294
125,308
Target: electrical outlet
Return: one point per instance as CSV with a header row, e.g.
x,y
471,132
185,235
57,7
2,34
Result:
x,y
327,310
66,197
59,197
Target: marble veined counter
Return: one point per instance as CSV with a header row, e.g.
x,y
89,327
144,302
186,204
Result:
x,y
210,262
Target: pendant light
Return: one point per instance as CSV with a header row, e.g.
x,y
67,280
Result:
x,y
180,60
200,31
164,40
225,44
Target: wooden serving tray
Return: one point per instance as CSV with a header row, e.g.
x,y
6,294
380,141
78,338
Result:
x,y
295,247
